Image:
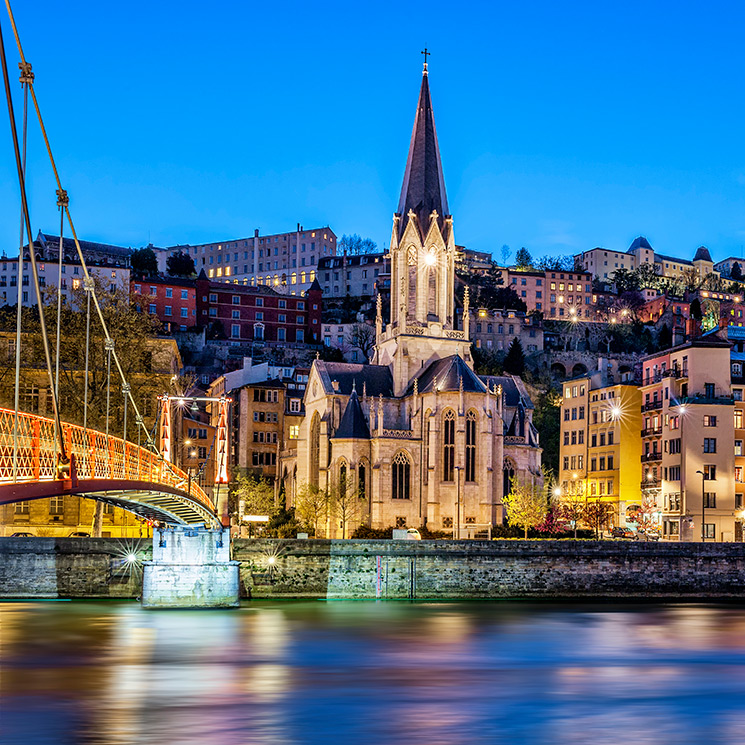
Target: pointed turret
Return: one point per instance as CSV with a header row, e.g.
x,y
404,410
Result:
x,y
353,424
423,190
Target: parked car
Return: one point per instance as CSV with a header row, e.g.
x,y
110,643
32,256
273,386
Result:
x,y
80,535
649,534
22,535
624,533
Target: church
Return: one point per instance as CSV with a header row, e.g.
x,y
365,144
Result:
x,y
416,436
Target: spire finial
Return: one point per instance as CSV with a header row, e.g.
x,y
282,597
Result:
x,y
426,54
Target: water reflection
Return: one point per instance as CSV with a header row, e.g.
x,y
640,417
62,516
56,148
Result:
x,y
314,672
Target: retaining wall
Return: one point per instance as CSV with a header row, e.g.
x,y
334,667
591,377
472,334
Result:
x,y
96,568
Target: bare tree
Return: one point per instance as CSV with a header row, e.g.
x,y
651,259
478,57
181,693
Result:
x,y
362,336
355,245
311,505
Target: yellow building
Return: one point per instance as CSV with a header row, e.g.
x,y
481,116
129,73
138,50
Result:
x,y
600,443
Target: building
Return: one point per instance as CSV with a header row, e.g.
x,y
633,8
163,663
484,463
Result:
x,y
725,267
495,330
468,260
248,315
287,262
603,262
173,300
688,433
558,295
600,445
416,437
351,275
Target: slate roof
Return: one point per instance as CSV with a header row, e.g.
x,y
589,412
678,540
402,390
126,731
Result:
x,y
447,374
353,424
423,188
512,394
702,254
640,242
375,379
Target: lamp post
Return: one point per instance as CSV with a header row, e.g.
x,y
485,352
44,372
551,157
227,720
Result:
x,y
703,506
457,502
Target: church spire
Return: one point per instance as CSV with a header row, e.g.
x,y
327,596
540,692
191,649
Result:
x,y
423,190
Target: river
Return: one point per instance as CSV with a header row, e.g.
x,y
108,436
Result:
x,y
455,673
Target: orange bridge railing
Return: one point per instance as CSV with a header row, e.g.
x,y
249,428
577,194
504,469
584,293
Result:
x,y
97,456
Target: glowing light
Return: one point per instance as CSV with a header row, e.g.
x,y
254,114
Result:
x,y
272,560
574,475
557,492
649,476
682,409
616,412
131,558
430,259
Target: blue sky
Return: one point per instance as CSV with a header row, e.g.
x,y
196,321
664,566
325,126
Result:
x,y
562,126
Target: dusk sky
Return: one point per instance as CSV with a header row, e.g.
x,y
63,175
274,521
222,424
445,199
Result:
x,y
562,126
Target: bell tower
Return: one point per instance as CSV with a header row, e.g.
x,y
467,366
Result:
x,y
422,318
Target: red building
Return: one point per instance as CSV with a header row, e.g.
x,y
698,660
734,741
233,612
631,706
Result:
x,y
172,300
260,314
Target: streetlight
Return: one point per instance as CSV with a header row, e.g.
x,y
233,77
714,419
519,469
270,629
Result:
x,y
457,503
703,506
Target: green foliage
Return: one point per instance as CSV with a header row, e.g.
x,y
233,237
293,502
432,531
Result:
x,y
180,264
523,259
331,354
514,362
527,504
312,506
547,420
736,272
143,262
556,264
256,493
283,524
696,312
487,361
366,532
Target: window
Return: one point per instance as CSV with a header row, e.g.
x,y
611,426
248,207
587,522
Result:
x,y
21,508
151,308
169,291
235,330
710,473
236,299
471,446
710,421
709,530
295,405
738,447
710,499
56,505
738,419
710,444
448,473
401,475
362,481
294,431
184,294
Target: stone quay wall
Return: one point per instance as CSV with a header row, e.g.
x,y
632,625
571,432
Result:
x,y
97,568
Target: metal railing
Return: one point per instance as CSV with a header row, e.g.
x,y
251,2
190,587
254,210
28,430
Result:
x,y
97,456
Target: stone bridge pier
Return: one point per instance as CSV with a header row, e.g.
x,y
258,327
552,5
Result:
x,y
191,568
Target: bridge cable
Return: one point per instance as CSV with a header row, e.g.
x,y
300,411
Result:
x,y
88,291
25,73
86,274
62,200
32,251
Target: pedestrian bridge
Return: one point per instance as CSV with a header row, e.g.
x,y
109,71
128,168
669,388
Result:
x,y
101,467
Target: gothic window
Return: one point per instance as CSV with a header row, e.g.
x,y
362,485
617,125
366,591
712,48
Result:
x,y
315,447
412,292
362,480
448,473
401,475
508,470
425,465
471,446
432,291
343,479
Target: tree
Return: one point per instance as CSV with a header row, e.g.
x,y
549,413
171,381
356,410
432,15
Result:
x,y
311,506
664,337
736,272
505,253
598,515
696,312
572,509
625,280
143,262
547,420
523,259
355,245
526,505
331,354
180,264
255,492
345,504
362,336
514,362
556,264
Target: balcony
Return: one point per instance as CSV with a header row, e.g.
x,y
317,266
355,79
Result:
x,y
652,431
653,457
726,399
650,484
653,405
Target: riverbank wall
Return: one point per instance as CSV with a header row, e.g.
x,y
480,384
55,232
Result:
x,y
102,568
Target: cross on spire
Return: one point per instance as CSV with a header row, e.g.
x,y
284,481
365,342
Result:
x,y
426,54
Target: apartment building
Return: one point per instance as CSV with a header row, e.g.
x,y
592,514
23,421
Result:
x,y
688,434
600,445
287,262
558,295
259,314
603,262
494,330
170,299
351,275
